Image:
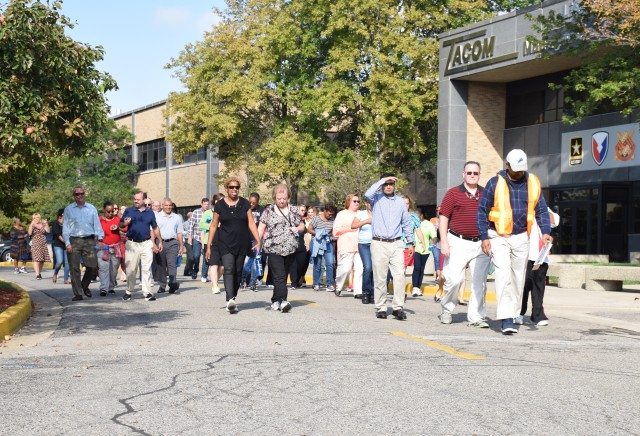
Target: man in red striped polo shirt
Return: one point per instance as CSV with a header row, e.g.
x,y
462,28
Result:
x,y
460,245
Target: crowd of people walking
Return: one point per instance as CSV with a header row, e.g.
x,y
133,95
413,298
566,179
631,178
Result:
x,y
364,248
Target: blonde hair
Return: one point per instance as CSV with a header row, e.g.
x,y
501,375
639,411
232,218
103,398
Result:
x,y
281,187
231,179
36,215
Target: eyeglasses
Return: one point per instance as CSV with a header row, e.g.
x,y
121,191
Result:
x,y
356,201
472,197
473,173
78,194
233,187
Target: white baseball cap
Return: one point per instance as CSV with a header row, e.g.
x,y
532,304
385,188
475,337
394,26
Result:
x,y
517,160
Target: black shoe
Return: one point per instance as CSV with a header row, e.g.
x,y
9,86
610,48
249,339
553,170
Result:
x,y
150,297
359,296
173,287
103,293
161,290
381,314
253,288
365,299
126,297
112,291
399,314
87,292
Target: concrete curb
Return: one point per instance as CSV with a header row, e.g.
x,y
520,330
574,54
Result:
x,y
14,317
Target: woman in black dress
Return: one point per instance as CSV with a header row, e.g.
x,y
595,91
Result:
x,y
231,218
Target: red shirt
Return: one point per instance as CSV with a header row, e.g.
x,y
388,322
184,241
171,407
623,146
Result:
x,y
461,208
110,236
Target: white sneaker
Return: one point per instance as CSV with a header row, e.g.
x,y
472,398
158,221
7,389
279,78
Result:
x,y
275,305
445,317
543,322
203,280
416,292
231,306
285,306
518,320
480,324
215,289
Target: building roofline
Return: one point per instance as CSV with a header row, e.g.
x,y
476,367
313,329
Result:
x,y
140,109
498,18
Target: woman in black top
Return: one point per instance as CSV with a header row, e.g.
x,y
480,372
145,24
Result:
x,y
231,218
59,249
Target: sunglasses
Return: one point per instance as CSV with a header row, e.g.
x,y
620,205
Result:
x,y
147,204
472,173
356,201
78,194
233,187
389,184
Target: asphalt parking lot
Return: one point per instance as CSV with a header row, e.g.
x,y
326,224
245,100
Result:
x,y
182,365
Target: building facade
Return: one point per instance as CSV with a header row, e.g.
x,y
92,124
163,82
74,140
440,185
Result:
x,y
495,95
159,175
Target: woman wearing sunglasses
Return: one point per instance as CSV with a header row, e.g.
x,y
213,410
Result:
x,y
348,245
231,218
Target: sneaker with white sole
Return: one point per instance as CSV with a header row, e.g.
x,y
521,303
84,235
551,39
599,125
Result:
x,y
275,305
285,306
203,280
508,326
150,297
542,322
17,271
416,292
215,289
480,324
126,297
231,306
518,320
445,317
316,288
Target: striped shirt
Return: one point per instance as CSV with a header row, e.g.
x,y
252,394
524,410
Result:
x,y
319,223
462,210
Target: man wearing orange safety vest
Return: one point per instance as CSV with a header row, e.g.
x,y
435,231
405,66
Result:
x,y
510,202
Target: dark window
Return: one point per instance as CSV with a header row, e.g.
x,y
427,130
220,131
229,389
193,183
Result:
x,y
151,155
200,156
532,101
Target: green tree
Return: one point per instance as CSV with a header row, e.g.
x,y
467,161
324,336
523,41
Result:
x,y
52,100
605,35
303,81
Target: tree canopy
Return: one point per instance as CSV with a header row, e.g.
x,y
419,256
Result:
x,y
52,100
605,34
281,86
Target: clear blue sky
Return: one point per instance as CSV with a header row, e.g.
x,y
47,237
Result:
x,y
140,37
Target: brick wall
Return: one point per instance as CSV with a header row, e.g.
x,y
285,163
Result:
x,y
485,127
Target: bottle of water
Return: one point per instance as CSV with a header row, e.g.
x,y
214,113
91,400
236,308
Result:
x,y
179,261
258,263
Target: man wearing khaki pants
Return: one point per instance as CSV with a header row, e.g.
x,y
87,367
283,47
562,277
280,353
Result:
x,y
389,222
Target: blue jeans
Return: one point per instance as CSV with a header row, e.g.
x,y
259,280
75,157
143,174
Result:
x,y
61,257
436,258
329,259
419,262
367,269
197,251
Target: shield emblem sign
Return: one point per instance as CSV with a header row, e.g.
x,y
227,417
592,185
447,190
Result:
x,y
599,146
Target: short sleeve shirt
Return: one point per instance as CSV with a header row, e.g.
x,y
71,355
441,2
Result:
x,y
279,238
233,235
461,208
